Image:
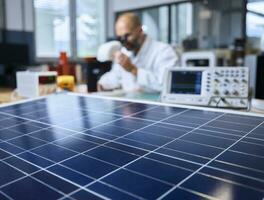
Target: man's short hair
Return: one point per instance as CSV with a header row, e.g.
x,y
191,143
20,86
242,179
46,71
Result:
x,y
130,17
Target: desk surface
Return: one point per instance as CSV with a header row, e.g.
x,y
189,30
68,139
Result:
x,y
84,147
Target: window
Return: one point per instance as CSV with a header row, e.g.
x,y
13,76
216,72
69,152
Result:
x,y
202,24
255,23
89,26
70,26
181,16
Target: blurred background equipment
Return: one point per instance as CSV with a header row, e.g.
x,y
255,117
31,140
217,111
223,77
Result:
x,y
66,82
34,84
198,59
225,87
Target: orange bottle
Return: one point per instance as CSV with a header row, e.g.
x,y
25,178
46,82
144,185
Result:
x,y
63,62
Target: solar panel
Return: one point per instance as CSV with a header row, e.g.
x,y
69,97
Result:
x,y
67,146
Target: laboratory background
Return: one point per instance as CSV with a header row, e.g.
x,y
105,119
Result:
x,y
132,99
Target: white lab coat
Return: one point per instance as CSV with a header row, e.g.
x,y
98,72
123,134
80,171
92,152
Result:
x,y
152,60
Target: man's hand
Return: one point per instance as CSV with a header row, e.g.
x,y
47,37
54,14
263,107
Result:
x,y
125,62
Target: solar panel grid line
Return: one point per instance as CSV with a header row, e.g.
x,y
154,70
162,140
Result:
x,y
182,106
187,153
213,136
5,195
128,163
28,175
244,167
214,132
180,183
198,194
224,129
232,182
248,154
63,127
142,156
201,144
253,143
187,159
45,169
123,191
169,164
12,126
234,173
221,131
68,129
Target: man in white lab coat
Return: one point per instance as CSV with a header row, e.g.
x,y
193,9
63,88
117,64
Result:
x,y
141,63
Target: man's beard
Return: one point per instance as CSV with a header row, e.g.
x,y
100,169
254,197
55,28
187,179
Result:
x,y
132,46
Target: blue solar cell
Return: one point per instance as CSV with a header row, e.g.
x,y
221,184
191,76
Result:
x,y
163,172
89,166
126,148
42,162
137,144
30,189
236,169
22,165
90,138
83,194
130,109
254,149
8,174
25,128
158,113
75,144
194,148
244,128
253,141
208,140
113,130
252,162
110,192
220,189
182,155
54,153
217,133
100,134
249,120
148,138
4,196
130,123
166,130
7,134
137,184
55,182
51,134
113,156
173,161
3,154
182,194
10,148
70,175
246,181
26,142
